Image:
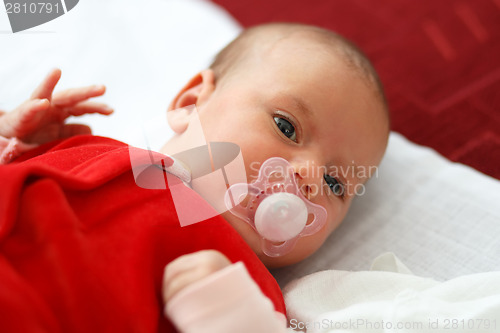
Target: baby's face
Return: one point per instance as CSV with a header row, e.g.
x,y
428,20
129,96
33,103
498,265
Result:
x,y
308,107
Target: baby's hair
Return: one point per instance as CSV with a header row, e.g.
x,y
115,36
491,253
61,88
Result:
x,y
256,38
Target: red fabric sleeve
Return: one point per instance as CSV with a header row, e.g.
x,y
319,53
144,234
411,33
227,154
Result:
x,y
83,248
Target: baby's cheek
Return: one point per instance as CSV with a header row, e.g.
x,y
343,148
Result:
x,y
337,215
312,243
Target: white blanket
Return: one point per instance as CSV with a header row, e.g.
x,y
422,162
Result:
x,y
390,299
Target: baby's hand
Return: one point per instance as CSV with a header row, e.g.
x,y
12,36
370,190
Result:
x,y
190,268
41,118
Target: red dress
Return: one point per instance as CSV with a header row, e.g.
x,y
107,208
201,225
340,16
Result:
x,y
83,248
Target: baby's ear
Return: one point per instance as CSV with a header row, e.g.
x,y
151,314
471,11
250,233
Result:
x,y
195,92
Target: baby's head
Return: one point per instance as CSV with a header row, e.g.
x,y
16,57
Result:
x,y
301,93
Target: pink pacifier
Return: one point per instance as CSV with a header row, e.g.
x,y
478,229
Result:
x,y
275,208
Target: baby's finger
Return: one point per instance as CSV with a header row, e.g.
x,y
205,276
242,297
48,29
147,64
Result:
x,y
56,131
88,107
181,281
190,268
45,89
24,119
69,130
178,266
73,96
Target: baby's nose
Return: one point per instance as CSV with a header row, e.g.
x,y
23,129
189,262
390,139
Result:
x,y
309,178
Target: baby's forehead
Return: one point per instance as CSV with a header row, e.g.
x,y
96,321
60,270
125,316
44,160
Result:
x,y
299,52
304,60
315,44
299,48
297,43
299,61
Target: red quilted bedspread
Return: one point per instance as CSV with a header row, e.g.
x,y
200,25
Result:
x,y
439,61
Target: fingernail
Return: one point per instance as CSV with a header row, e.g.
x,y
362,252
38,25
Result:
x,y
99,87
55,69
40,102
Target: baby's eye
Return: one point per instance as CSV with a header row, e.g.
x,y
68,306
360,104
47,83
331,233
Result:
x,y
286,128
335,185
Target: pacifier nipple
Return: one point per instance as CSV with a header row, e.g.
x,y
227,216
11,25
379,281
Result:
x,y
280,217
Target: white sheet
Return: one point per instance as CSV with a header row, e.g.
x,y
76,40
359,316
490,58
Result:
x,y
441,219
389,299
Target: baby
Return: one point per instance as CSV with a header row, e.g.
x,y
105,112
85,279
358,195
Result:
x,y
292,91
301,93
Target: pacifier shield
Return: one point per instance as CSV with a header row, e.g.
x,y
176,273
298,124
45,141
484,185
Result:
x,y
275,208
